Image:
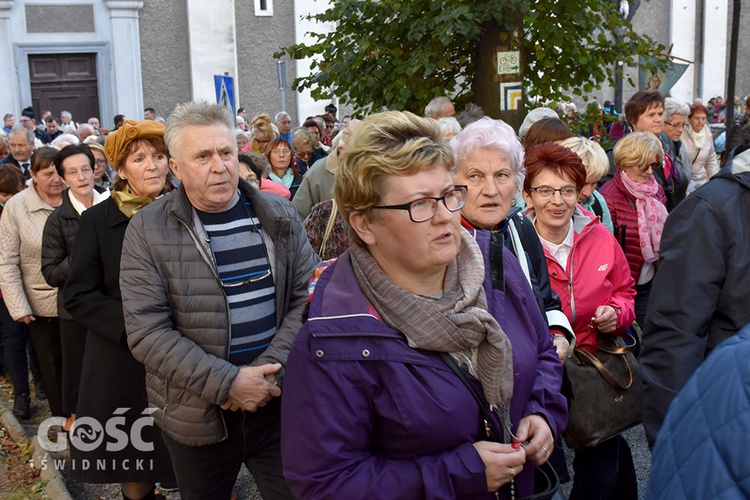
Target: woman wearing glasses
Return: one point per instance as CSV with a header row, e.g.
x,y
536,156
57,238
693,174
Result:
x,y
636,203
111,379
366,391
675,120
699,144
75,165
284,169
102,179
261,133
645,113
589,272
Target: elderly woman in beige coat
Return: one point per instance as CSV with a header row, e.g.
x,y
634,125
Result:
x,y
699,144
27,295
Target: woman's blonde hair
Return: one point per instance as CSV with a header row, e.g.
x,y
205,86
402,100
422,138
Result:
x,y
262,127
591,154
635,150
389,143
302,137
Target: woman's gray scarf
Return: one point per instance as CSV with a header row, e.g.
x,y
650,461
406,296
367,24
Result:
x,y
457,322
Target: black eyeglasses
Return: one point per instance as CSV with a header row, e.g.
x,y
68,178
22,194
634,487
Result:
x,y
424,209
653,166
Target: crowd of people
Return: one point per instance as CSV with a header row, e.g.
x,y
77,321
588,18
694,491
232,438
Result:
x,y
412,285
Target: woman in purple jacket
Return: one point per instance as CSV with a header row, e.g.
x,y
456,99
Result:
x,y
370,408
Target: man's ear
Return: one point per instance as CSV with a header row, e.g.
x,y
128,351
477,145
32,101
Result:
x,y
362,225
175,169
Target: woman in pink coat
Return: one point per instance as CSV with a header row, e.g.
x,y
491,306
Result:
x,y
589,272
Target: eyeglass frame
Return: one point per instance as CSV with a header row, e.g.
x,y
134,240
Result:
x,y
407,206
576,190
676,127
654,166
255,279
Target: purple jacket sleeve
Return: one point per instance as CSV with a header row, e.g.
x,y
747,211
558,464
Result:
x,y
531,339
545,398
328,424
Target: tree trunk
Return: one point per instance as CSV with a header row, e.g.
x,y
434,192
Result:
x,y
496,93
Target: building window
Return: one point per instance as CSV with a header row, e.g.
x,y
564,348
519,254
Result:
x,y
263,7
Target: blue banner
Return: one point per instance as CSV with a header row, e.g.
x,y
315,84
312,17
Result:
x,y
663,81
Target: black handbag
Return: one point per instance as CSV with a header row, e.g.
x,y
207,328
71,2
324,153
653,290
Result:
x,y
606,391
546,482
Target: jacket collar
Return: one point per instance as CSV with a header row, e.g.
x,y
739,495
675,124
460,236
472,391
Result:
x,y
34,202
338,302
343,296
67,210
738,172
741,162
112,215
581,221
181,207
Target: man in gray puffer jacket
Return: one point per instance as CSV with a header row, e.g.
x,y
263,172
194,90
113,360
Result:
x,y
213,280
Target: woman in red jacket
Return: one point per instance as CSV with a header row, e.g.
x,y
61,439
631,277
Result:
x,y
636,203
588,270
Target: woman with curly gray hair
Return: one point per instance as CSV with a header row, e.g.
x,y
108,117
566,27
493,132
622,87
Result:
x,y
489,161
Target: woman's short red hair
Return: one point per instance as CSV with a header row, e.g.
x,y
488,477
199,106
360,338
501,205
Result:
x,y
552,156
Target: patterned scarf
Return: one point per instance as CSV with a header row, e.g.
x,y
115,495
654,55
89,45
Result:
x,y
651,214
457,322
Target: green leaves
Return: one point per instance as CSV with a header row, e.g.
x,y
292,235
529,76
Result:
x,y
400,54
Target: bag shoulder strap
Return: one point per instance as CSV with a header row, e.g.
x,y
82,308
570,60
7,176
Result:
x,y
489,426
329,229
550,483
611,380
596,207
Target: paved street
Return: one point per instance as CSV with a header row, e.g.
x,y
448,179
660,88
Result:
x,y
641,457
248,491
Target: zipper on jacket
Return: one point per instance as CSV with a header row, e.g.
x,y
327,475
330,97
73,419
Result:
x,y
572,302
570,286
586,230
166,396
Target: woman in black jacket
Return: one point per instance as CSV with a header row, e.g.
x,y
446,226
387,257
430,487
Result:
x,y
113,387
75,165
